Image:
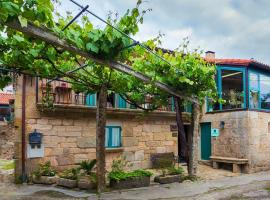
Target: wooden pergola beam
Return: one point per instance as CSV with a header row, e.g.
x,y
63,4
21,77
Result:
x,y
51,38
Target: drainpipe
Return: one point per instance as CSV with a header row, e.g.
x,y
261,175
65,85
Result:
x,y
23,127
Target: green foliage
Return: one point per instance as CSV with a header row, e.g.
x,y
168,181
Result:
x,y
71,174
88,165
47,100
44,169
119,164
175,170
120,175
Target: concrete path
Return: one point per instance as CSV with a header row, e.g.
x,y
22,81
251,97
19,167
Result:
x,y
212,189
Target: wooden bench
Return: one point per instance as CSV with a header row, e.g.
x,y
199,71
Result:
x,y
236,162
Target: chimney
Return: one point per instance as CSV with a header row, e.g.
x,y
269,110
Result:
x,y
210,55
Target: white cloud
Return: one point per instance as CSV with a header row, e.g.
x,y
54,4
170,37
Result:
x,y
231,28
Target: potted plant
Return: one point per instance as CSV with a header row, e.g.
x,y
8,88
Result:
x,y
119,179
44,174
68,178
169,175
88,179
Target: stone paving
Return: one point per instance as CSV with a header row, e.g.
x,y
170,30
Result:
x,y
221,188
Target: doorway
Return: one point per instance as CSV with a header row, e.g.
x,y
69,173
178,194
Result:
x,y
205,141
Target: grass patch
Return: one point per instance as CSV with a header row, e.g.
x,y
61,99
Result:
x,y
7,164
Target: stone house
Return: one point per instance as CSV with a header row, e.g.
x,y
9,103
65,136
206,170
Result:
x,y
242,120
69,129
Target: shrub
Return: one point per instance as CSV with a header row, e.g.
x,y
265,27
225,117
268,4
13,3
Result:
x,y
71,174
44,169
88,165
121,175
175,170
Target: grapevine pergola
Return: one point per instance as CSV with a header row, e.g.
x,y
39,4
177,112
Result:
x,y
51,38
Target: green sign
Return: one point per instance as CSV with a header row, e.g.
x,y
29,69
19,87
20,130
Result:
x,y
214,132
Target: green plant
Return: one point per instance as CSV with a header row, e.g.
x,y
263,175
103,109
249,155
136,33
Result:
x,y
44,169
175,170
119,164
71,174
121,175
88,165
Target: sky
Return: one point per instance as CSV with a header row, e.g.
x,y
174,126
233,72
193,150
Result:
x,y
231,28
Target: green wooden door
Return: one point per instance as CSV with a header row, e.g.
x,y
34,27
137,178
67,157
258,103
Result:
x,y
205,141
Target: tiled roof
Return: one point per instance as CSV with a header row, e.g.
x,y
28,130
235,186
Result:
x,y
4,98
239,62
225,61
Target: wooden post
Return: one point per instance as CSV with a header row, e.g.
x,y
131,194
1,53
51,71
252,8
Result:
x,y
181,129
193,140
100,138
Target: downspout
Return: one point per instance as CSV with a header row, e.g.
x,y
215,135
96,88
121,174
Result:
x,y
23,127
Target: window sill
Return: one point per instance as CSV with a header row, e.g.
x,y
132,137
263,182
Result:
x,y
114,150
229,110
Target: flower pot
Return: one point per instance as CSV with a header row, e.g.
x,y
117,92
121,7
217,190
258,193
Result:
x,y
168,179
134,182
85,183
47,180
67,183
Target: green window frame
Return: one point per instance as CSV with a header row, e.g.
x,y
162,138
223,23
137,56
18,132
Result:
x,y
260,78
219,87
113,137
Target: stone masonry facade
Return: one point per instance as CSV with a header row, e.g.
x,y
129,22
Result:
x,y
69,133
246,135
7,138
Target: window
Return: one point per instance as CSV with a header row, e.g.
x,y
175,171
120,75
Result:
x,y
265,92
113,137
254,90
231,89
259,91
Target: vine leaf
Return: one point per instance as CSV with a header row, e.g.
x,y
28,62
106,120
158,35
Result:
x,y
23,21
92,47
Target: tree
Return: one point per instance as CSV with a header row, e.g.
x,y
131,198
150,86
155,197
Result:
x,y
33,56
186,71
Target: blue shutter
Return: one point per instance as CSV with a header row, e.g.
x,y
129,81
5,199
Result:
x,y
107,136
91,100
121,103
188,107
172,100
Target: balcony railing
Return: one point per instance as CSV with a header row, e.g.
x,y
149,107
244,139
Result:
x,y
62,93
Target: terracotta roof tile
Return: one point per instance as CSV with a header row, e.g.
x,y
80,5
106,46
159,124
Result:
x,y
4,98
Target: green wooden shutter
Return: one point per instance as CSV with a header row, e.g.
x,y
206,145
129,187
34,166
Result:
x,y
121,103
91,100
172,101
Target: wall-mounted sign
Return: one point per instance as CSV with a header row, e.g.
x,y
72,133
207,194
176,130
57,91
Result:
x,y
173,127
214,132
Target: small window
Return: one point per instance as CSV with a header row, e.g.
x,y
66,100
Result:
x,y
113,137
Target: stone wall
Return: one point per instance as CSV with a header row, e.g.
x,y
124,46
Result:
x,y
7,138
233,139
246,135
259,141
69,134
71,139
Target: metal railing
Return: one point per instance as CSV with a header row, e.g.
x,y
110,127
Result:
x,y
62,93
